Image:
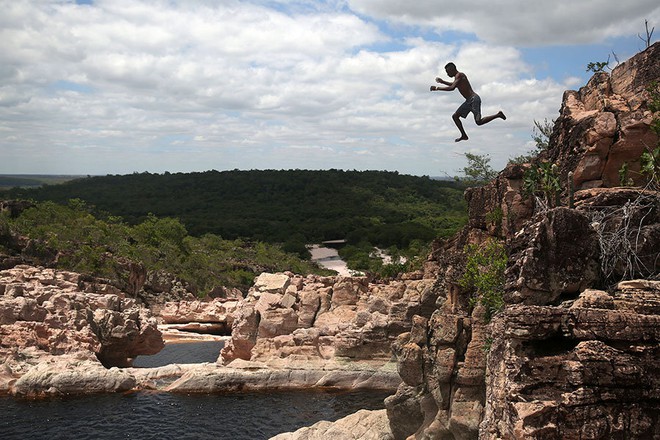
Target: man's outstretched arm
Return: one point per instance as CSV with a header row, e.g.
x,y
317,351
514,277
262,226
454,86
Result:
x,y
450,85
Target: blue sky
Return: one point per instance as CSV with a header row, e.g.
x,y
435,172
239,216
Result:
x,y
122,86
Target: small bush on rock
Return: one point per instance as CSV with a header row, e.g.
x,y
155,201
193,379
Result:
x,y
484,275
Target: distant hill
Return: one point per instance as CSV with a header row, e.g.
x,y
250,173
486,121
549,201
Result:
x,y
31,180
384,208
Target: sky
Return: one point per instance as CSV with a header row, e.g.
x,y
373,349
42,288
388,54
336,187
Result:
x,y
102,87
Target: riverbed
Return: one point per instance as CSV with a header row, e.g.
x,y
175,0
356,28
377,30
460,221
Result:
x,y
329,259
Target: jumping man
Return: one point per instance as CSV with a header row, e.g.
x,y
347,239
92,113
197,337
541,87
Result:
x,y
472,100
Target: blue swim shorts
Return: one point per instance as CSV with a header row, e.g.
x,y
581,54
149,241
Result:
x,y
472,104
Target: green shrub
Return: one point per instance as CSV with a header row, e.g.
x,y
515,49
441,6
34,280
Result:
x,y
478,171
650,159
650,166
598,66
542,180
484,275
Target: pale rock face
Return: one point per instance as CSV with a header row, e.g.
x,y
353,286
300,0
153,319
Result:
x,y
66,375
272,283
316,319
55,331
217,311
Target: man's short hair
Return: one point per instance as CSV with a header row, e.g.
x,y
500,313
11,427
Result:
x,y
452,65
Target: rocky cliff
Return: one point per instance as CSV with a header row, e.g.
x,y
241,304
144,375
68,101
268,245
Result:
x,y
571,350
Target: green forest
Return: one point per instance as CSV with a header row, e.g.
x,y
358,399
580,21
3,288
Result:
x,y
385,208
269,213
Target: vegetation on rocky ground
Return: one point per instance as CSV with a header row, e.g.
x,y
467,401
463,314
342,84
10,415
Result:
x,y
87,244
484,278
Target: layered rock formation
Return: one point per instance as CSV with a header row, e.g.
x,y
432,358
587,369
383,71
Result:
x,y
61,333
214,317
287,319
584,370
573,354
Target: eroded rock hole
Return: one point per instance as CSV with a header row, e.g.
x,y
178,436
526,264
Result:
x,y
554,345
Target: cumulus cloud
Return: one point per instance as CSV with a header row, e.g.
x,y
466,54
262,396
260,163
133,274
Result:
x,y
513,22
118,86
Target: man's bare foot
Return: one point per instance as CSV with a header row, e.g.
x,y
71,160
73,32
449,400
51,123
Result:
x,y
501,115
462,138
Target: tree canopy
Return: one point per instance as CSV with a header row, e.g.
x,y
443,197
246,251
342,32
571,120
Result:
x,y
276,206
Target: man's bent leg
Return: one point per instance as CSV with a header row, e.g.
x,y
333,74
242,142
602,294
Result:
x,y
457,120
487,119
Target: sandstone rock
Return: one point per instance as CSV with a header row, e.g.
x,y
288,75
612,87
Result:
x,y
244,334
225,293
599,356
64,375
246,376
592,298
556,256
216,311
364,425
346,317
606,124
410,364
125,335
273,283
404,411
499,208
275,322
54,331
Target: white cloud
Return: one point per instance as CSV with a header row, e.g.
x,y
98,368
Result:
x,y
520,23
122,86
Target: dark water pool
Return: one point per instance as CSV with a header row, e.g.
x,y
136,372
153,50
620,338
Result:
x,y
152,415
182,353
170,416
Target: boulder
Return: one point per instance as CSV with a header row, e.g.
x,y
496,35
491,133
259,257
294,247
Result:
x,y
554,258
273,283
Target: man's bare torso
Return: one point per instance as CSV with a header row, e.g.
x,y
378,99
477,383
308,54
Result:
x,y
463,85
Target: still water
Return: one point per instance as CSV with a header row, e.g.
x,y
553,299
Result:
x,y
153,415
182,353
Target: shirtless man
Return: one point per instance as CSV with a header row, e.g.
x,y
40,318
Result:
x,y
472,100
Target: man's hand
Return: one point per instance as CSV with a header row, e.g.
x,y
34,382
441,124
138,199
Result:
x,y
433,88
439,80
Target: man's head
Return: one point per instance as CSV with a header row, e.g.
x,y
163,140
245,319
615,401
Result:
x,y
450,68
